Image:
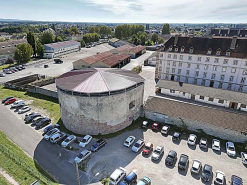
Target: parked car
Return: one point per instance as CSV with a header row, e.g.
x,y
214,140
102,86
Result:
x,y
219,178
30,117
176,136
183,162
24,109
48,135
37,120
43,123
2,75
17,108
55,138
196,166
5,99
171,158
85,154
158,152
58,61
244,157
165,129
8,72
46,129
148,148
144,181
230,149
138,145
129,141
192,139
235,180
98,145
130,179
145,124
203,142
68,141
155,126
117,176
216,144
9,101
207,172
85,141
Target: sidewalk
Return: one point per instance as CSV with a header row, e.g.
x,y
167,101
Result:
x,y
10,179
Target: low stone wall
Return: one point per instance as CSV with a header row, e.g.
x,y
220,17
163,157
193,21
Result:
x,y
222,133
42,91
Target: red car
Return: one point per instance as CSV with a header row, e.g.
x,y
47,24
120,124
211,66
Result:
x,y
155,126
147,149
11,100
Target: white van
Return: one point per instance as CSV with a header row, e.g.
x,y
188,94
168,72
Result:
x,y
17,103
117,176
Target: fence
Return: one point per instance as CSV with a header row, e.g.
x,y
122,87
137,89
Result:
x,y
22,163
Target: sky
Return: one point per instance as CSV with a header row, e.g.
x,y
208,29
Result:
x,y
127,11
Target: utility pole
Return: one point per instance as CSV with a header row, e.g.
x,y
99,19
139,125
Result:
x,y
77,172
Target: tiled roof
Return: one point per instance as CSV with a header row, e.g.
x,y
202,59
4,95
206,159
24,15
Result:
x,y
98,57
98,80
114,60
211,92
124,48
62,44
137,49
113,40
204,115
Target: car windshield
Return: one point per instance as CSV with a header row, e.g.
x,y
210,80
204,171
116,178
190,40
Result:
x,y
219,180
66,140
95,145
147,148
137,145
194,168
157,151
84,141
231,148
49,133
206,171
170,156
80,156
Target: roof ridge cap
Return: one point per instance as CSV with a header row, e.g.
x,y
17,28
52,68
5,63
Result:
x,y
104,80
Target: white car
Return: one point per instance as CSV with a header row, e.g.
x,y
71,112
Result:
x,y
219,178
17,103
117,176
159,150
85,141
165,129
244,157
230,149
83,156
192,139
196,166
138,145
203,143
48,135
2,75
145,124
24,109
216,144
129,141
70,139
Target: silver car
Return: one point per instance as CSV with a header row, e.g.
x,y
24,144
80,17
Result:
x,y
83,156
48,135
138,145
159,150
24,109
69,140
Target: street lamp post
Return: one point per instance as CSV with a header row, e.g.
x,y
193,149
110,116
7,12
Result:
x,y
90,180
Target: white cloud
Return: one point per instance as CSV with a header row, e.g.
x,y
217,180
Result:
x,y
175,11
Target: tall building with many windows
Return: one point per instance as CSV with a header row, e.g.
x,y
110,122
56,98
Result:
x,y
214,62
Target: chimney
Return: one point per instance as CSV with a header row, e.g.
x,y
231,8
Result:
x,y
234,41
176,40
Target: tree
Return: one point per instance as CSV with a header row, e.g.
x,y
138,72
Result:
x,y
40,49
87,38
139,42
166,29
134,39
160,40
104,30
83,44
31,40
74,30
58,39
53,27
46,37
95,37
149,42
154,37
91,29
23,53
143,39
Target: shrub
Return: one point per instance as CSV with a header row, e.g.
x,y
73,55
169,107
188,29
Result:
x,y
137,69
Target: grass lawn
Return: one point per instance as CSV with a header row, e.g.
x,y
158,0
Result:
x,y
5,66
3,181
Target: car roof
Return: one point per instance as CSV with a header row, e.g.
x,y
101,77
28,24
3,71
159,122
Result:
x,y
208,167
196,163
237,180
184,156
159,147
99,141
172,152
70,136
230,144
220,174
148,144
116,174
84,152
176,134
87,136
130,176
139,141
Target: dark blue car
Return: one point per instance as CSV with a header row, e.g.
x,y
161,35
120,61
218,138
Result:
x,y
130,179
98,144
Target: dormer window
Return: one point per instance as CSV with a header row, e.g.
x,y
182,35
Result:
x,y
218,52
176,49
191,50
170,49
228,53
182,49
209,51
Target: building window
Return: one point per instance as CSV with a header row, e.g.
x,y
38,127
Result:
x,y
178,78
170,49
169,55
189,57
180,64
191,50
240,88
231,78
224,69
202,97
199,59
173,70
225,61
210,99
203,82
172,91
167,69
209,52
245,72
220,85
160,62
213,76
181,57
168,63
179,71
195,81
166,77
245,63
174,63
216,60
204,74
221,101
235,62
197,66
132,104
188,65
183,93
215,68
160,68
206,67
197,73
222,77
161,55
243,80
176,50
174,56
218,52
207,59
233,70
187,72
228,53
229,87
186,79
243,106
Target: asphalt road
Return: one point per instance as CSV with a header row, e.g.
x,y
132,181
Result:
x,y
46,154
